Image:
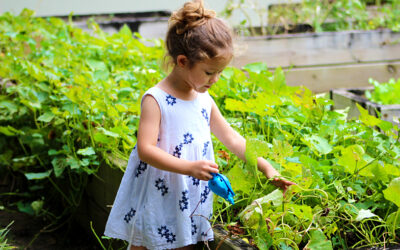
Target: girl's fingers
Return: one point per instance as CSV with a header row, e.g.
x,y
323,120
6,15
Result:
x,y
214,170
214,165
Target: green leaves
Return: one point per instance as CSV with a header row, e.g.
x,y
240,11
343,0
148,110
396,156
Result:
x,y
86,151
240,180
46,117
385,93
392,192
318,241
318,144
38,176
364,214
251,215
254,149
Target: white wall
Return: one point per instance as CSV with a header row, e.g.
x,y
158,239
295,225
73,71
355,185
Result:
x,y
84,7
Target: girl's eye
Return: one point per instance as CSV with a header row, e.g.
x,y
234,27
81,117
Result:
x,y
209,73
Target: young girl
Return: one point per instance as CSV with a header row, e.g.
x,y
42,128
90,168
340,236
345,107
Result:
x,y
164,201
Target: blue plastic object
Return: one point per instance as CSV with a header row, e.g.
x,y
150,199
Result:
x,y
221,186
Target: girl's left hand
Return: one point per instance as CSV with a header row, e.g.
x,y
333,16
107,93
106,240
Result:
x,y
282,183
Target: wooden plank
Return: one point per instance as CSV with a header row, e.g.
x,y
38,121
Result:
x,y
323,79
349,97
313,49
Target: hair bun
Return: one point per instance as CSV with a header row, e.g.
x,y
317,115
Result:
x,y
191,15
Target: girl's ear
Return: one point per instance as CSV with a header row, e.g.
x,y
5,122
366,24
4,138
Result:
x,y
182,61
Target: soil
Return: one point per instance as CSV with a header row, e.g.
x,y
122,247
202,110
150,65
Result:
x,y
26,228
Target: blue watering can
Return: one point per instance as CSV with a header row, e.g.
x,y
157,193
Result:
x,y
220,185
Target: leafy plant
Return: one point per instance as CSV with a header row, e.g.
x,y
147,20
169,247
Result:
x,y
316,16
384,93
70,104
3,238
342,168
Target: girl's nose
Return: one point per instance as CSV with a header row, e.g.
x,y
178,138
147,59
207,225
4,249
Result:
x,y
214,79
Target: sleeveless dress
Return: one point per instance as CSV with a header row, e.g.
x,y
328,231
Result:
x,y
157,203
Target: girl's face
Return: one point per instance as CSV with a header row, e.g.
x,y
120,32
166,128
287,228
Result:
x,y
202,75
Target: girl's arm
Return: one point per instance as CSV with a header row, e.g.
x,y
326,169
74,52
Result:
x,y
149,127
237,145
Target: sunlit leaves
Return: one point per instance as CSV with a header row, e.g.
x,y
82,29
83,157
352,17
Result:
x,y
392,192
38,176
318,144
251,215
254,149
240,180
318,241
364,214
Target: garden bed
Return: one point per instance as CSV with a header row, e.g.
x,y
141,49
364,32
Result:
x,y
350,97
319,61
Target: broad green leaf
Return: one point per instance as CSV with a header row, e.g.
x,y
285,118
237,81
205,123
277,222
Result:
x,y
251,215
392,192
301,211
10,131
264,239
125,31
25,207
364,214
235,105
102,138
352,158
73,163
318,241
108,133
254,149
317,143
46,117
86,151
366,118
339,187
380,172
38,176
96,65
240,181
59,165
255,67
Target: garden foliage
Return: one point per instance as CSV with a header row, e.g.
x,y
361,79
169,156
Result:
x,y
70,102
386,93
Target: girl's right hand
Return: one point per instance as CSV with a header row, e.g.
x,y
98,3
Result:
x,y
202,169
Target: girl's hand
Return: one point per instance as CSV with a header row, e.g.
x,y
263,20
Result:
x,y
202,169
282,183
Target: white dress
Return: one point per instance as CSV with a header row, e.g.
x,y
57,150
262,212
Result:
x,y
159,203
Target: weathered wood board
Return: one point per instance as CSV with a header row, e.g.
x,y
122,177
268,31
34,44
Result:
x,y
325,78
319,49
349,97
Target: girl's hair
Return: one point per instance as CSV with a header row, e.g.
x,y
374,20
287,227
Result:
x,y
196,33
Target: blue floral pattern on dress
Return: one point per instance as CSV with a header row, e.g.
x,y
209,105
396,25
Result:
x,y
194,227
178,151
204,194
205,115
160,185
170,100
205,148
195,181
164,232
141,168
188,138
183,204
129,215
